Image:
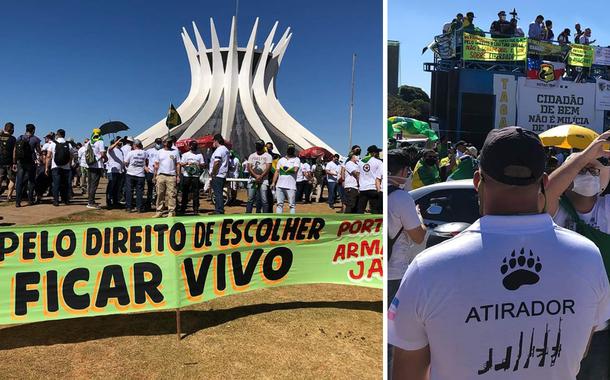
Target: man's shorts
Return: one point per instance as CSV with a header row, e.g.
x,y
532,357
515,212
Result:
x,y
7,171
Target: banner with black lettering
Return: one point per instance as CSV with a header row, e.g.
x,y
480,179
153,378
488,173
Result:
x,y
542,106
89,269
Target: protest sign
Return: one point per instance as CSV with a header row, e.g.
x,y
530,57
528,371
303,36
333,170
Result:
x,y
544,48
602,95
541,107
477,48
601,56
580,55
89,269
505,90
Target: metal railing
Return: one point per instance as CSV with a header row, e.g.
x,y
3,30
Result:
x,y
551,51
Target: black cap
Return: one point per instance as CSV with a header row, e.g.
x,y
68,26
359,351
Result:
x,y
513,156
373,149
461,142
470,14
501,13
158,140
259,142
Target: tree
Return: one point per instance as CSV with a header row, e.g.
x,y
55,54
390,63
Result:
x,y
410,93
398,107
411,102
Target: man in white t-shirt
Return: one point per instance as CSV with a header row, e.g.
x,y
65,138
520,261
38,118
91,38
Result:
x,y
135,163
258,165
302,180
218,171
166,177
351,173
512,297
371,174
151,158
115,172
234,166
59,159
332,175
96,169
84,168
285,180
579,183
192,167
405,227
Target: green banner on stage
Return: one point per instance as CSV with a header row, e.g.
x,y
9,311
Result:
x,y
581,55
477,48
89,269
545,48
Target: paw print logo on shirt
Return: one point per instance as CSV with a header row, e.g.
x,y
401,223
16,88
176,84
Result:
x,y
521,269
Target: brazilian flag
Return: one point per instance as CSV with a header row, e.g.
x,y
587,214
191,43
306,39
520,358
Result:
x,y
173,117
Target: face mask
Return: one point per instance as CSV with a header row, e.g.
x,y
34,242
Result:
x,y
586,185
430,161
158,146
503,18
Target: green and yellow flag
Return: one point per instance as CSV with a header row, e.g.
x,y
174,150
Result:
x,y
173,117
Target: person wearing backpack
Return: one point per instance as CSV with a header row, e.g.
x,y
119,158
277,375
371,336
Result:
x,y
59,159
7,158
575,201
26,149
405,227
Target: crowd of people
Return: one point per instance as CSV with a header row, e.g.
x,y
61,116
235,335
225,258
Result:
x,y
164,180
540,29
525,192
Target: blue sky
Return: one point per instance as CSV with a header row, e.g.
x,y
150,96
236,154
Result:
x,y
415,23
77,64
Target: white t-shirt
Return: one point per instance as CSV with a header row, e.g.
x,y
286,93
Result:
x,y
244,167
350,180
288,180
596,218
98,149
191,159
257,163
126,149
167,161
151,156
369,171
220,154
46,146
233,167
303,169
334,171
115,162
509,292
51,151
82,156
135,162
401,213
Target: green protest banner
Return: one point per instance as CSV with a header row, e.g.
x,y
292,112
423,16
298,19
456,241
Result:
x,y
477,48
580,55
544,48
89,269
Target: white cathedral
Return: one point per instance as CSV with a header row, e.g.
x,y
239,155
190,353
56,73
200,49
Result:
x,y
233,93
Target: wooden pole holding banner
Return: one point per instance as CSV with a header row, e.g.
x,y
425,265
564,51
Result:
x,y
178,326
